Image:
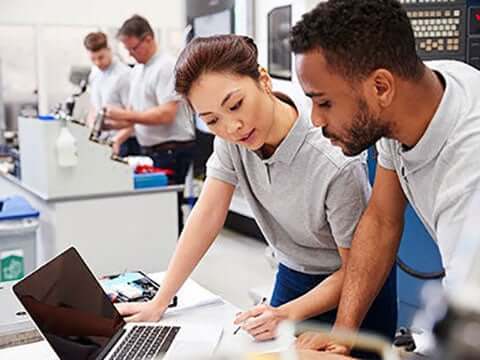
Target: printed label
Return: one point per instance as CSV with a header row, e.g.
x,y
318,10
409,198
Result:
x,y
12,265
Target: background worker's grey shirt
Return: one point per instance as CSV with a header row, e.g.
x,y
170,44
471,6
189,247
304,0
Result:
x,y
153,85
110,87
306,198
441,173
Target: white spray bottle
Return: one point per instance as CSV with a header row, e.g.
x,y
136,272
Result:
x,y
66,146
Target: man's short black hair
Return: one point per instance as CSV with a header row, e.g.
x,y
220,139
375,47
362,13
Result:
x,y
136,26
359,36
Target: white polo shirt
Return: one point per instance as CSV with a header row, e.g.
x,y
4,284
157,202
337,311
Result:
x,y
111,86
441,173
153,85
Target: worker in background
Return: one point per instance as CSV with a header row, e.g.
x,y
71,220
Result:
x,y
163,125
305,195
357,61
109,84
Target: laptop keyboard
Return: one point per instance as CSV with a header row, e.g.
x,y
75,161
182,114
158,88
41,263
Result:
x,y
145,342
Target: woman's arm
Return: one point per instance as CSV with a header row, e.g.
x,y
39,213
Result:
x,y
261,322
201,229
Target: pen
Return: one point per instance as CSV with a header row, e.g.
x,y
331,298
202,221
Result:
x,y
240,326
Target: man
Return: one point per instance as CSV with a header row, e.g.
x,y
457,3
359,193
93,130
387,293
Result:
x,y
109,84
356,60
162,123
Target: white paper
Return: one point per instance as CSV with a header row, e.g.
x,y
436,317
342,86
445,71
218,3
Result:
x,y
190,295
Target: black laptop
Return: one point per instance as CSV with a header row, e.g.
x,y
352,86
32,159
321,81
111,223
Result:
x,y
73,313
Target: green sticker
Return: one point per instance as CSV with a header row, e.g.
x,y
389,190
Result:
x,y
11,265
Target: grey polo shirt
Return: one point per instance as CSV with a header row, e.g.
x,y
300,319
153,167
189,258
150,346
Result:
x,y
441,173
153,85
111,86
306,198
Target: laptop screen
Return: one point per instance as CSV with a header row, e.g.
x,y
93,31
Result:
x,y
69,307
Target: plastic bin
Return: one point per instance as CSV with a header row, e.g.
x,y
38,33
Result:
x,y
18,228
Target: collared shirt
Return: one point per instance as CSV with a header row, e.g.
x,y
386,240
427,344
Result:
x,y
306,198
441,173
111,86
153,85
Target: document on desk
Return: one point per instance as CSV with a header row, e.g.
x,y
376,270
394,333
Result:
x,y
190,295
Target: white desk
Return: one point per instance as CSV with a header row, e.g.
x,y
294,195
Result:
x,y
217,312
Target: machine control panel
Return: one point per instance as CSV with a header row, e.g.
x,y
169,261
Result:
x,y
474,36
439,27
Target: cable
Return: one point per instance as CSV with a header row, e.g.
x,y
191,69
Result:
x,y
419,274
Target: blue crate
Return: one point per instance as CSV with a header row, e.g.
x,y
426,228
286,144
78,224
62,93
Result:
x,y
143,181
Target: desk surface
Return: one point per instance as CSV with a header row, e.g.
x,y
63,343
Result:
x,y
220,313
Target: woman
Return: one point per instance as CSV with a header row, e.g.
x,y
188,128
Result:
x,y
305,195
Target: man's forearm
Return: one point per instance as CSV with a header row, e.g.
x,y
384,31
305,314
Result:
x,y
162,114
373,252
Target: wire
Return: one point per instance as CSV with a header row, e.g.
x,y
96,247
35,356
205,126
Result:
x,y
434,275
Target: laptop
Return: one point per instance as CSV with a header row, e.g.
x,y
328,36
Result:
x,y
73,313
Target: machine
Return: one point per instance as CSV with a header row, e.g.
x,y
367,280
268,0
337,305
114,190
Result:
x,y
42,171
473,35
446,29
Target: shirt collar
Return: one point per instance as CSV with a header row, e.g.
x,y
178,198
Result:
x,y
290,145
438,131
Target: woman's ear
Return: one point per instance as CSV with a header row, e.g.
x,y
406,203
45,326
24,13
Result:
x,y
265,80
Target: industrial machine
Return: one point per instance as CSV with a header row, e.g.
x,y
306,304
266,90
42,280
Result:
x,y
473,35
43,172
446,29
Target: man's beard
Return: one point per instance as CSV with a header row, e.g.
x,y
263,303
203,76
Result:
x,y
366,130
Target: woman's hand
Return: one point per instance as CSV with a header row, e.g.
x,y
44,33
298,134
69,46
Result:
x,y
261,322
141,312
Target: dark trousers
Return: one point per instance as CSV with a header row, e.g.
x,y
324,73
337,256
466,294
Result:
x,y
381,319
179,160
130,147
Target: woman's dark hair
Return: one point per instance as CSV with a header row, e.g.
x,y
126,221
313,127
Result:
x,y
233,54
136,26
359,36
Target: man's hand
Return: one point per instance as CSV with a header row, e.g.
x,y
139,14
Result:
x,y
116,113
141,312
110,124
318,341
261,322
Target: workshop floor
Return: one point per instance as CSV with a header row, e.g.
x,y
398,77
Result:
x,y
235,264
